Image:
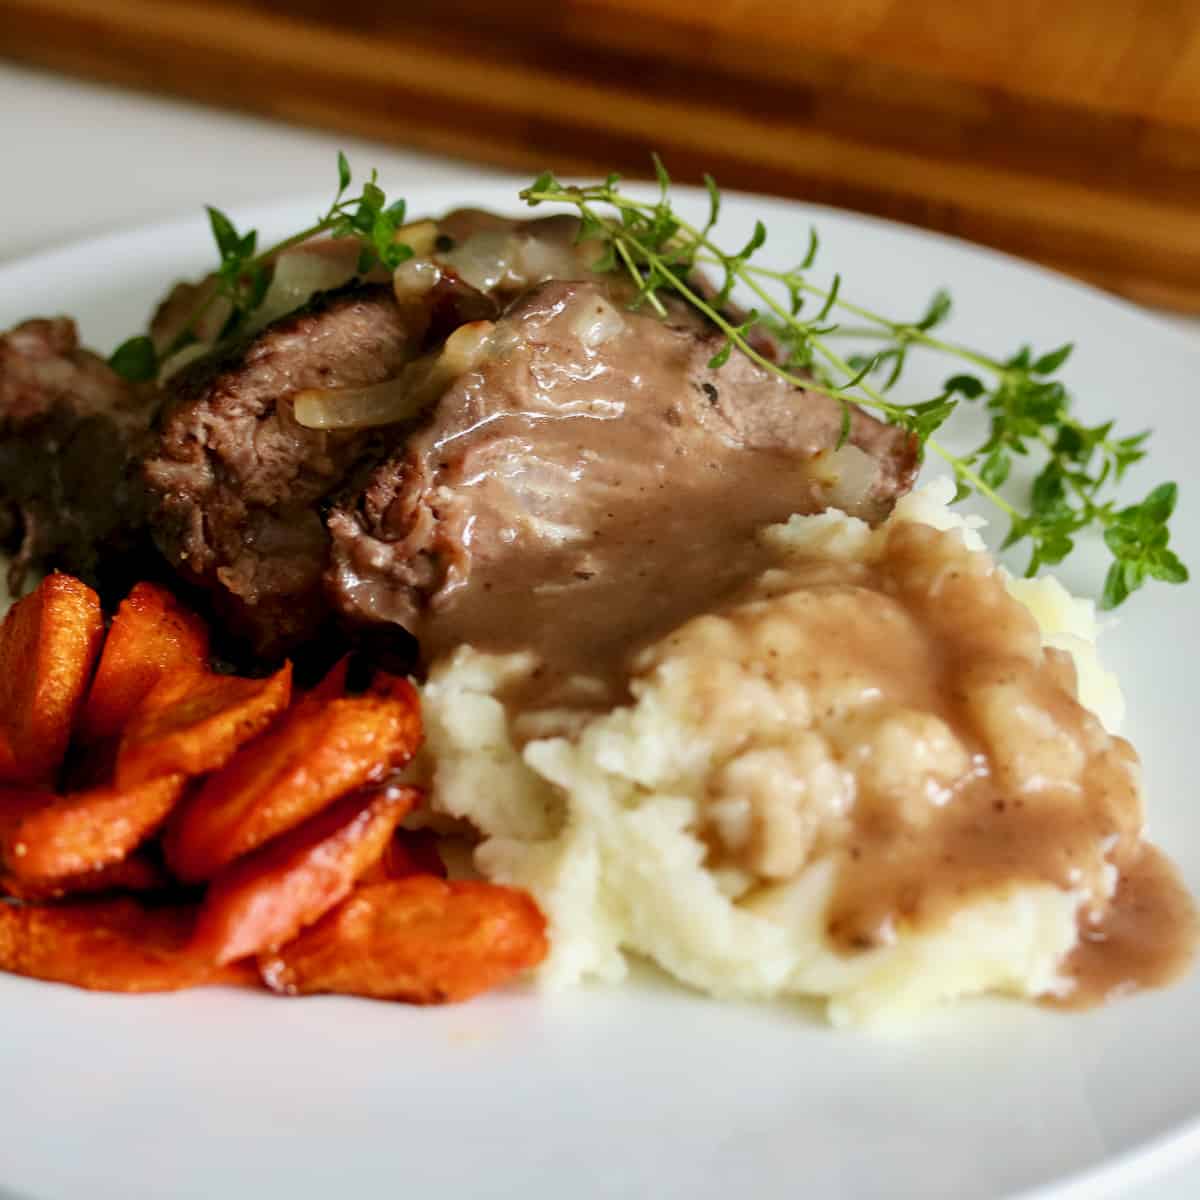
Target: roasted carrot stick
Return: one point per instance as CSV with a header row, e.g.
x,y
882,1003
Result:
x,y
48,646
315,754
266,898
421,940
107,946
152,635
83,832
192,721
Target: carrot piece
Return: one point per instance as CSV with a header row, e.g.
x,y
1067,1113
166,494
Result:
x,y
152,635
191,722
317,753
419,939
16,803
8,759
88,830
137,873
107,946
266,898
48,645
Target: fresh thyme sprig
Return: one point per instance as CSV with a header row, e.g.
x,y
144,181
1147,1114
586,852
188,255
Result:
x,y
244,273
1030,414
1029,409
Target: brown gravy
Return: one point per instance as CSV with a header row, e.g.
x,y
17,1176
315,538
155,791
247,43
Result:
x,y
1147,938
1044,787
596,505
597,484
942,755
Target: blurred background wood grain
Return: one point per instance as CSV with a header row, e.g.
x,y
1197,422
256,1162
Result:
x,y
1068,132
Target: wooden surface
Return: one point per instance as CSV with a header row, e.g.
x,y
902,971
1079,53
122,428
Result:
x,y
1068,132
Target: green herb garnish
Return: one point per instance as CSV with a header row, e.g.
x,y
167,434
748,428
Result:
x,y
135,359
1079,466
243,275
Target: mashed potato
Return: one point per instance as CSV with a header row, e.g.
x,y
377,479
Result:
x,y
709,826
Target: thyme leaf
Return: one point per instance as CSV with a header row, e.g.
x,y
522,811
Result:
x,y
244,273
1078,466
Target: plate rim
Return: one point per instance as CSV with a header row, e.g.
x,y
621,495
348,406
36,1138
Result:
x,y
1176,1145
257,212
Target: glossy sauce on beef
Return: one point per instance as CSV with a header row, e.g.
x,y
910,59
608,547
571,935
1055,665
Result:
x,y
591,485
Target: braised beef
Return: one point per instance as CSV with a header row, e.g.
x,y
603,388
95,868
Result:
x,y
70,432
236,484
593,480
590,456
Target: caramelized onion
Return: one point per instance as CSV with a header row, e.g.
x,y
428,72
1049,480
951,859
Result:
x,y
482,260
852,473
419,236
404,396
194,308
414,279
553,255
597,324
181,358
514,258
356,408
302,272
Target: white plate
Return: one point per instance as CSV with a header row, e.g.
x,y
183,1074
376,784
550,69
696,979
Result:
x,y
647,1090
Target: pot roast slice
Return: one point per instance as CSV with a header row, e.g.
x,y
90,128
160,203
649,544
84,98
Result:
x,y
590,476
593,482
236,485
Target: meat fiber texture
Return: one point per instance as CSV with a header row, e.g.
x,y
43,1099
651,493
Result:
x,y
235,482
601,827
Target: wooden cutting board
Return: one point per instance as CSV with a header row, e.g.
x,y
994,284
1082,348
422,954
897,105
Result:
x,y
1067,132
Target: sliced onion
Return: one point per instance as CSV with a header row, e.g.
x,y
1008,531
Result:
x,y
208,328
419,236
181,358
179,311
356,408
414,279
465,348
597,323
518,258
483,259
553,253
401,398
302,272
852,473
